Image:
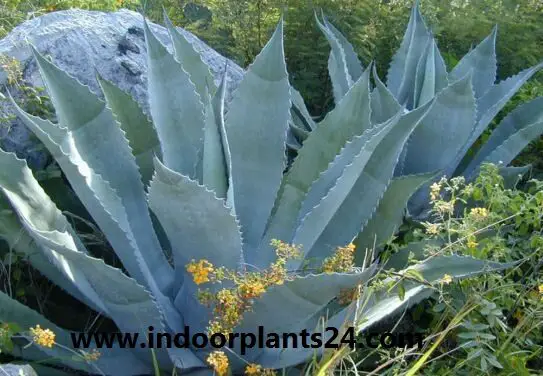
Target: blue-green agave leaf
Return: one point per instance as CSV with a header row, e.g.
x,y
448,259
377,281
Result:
x,y
383,103
354,66
382,304
390,213
349,118
300,111
522,116
344,66
513,175
436,142
216,155
291,307
198,224
108,363
493,101
328,178
256,126
176,108
431,76
333,222
513,145
138,129
415,251
93,135
337,64
482,62
106,208
191,61
40,258
402,72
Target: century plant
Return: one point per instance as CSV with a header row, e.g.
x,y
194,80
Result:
x,y
465,102
220,202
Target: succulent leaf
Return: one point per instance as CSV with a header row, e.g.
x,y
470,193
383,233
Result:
x,y
350,117
176,108
138,129
522,116
191,61
344,66
362,183
390,212
257,140
482,62
431,74
383,103
402,72
443,133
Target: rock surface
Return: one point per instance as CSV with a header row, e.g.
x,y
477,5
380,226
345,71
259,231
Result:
x,y
17,370
82,43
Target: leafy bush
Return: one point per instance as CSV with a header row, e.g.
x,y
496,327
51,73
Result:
x,y
502,335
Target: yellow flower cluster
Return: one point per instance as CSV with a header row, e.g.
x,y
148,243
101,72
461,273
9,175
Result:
x,y
479,213
229,304
257,370
341,261
540,288
91,356
219,361
200,271
432,228
447,279
43,337
471,243
435,189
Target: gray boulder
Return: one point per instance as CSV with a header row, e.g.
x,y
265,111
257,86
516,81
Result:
x,y
17,370
83,43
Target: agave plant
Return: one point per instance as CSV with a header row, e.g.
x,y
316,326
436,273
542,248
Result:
x,y
215,185
466,100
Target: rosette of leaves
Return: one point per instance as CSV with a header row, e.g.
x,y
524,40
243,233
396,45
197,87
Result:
x,y
466,100
216,186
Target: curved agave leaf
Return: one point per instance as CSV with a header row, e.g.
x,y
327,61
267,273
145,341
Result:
x,y
216,153
92,133
38,213
176,108
522,116
382,304
199,226
108,363
402,72
513,175
417,250
191,61
383,103
300,110
41,259
118,296
512,146
139,130
431,74
256,126
197,223
104,206
328,178
349,118
436,142
344,66
291,307
482,62
390,212
492,102
362,184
